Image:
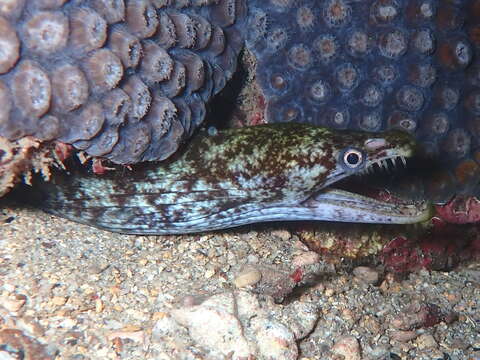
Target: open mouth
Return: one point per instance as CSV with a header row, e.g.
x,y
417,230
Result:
x,y
374,195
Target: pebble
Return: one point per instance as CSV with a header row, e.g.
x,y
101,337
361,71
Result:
x,y
99,305
209,273
275,340
59,300
426,341
329,292
348,347
366,274
241,325
283,235
403,335
307,258
247,277
137,336
13,303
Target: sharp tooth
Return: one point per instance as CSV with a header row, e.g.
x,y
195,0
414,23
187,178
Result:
x,y
403,161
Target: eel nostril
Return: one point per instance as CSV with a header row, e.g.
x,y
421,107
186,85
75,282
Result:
x,y
376,143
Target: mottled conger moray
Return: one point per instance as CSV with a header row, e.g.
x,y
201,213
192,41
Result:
x,y
240,176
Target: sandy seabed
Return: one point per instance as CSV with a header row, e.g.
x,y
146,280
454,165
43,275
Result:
x,y
70,291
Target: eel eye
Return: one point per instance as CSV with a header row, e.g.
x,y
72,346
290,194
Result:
x,y
353,158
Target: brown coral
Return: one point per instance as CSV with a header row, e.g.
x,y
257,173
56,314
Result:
x,y
88,70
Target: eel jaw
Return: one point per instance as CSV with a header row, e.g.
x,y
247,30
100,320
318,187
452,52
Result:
x,y
339,205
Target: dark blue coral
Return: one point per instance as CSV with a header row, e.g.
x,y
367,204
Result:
x,y
376,65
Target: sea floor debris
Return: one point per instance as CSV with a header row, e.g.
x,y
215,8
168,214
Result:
x,y
85,293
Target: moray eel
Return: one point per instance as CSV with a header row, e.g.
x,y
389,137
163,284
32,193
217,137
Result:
x,y
131,80
276,172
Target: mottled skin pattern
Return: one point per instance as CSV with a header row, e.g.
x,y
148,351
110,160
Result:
x,y
236,177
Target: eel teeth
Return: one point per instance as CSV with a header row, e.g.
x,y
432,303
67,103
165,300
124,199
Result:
x,y
384,164
393,164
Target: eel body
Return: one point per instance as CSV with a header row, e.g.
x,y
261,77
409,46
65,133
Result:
x,y
264,173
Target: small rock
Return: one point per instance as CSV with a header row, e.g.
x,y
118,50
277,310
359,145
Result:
x,y
209,273
298,245
99,306
247,277
403,335
13,303
284,235
275,341
329,292
15,342
379,352
215,313
307,258
426,341
366,275
301,317
136,336
59,300
243,328
348,347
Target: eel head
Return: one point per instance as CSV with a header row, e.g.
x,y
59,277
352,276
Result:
x,y
348,194
300,172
